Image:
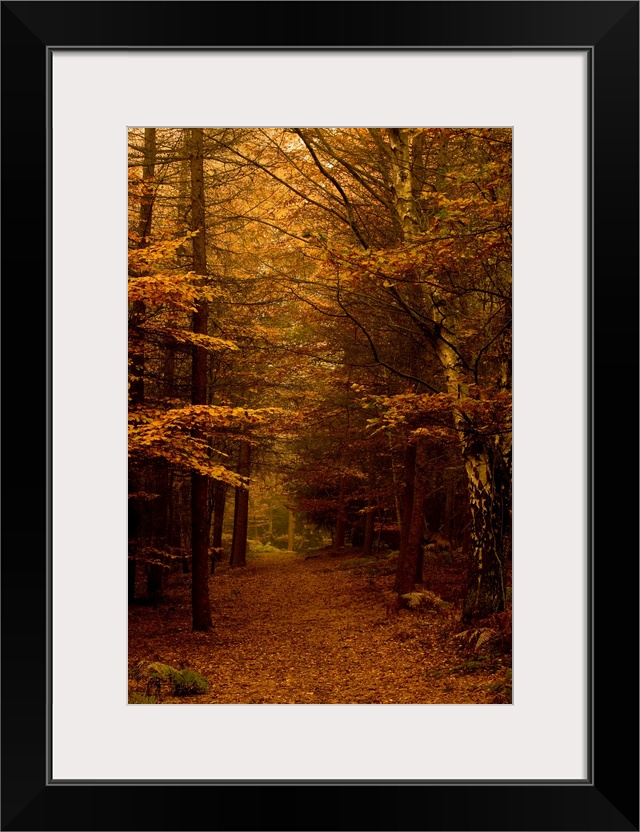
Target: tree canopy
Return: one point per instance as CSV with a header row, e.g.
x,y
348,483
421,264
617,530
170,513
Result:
x,y
321,317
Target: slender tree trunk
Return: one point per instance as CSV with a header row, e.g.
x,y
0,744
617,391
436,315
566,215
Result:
x,y
419,576
234,534
144,233
136,389
239,551
134,531
395,485
341,527
407,511
341,519
219,502
173,529
412,521
291,542
199,483
154,583
367,545
156,572
449,483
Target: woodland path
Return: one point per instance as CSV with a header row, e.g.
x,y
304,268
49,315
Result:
x,y
308,630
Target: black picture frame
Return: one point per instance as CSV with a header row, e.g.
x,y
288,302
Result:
x,y
608,799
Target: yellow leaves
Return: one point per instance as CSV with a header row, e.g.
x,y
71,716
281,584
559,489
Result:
x,y
141,259
442,415
161,289
156,279
185,436
181,290
182,450
440,432
183,336
204,417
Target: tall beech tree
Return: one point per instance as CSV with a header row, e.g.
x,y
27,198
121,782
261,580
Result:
x,y
199,482
444,316
184,427
137,349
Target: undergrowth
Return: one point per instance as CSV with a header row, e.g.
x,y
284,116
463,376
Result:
x,y
153,680
382,564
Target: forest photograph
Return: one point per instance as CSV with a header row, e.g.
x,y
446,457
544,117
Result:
x,y
319,415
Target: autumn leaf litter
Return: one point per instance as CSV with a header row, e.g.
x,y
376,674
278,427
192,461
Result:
x,y
320,629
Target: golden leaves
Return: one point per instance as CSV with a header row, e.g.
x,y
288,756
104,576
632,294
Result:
x,y
485,411
180,290
198,339
185,436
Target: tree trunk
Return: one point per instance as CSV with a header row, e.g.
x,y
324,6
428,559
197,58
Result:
x,y
341,528
395,484
449,483
239,551
144,231
488,467
219,502
234,534
154,583
156,572
419,576
199,482
489,477
133,529
407,511
290,543
412,520
341,519
138,314
367,545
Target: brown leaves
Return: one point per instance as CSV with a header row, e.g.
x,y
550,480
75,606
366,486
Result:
x,y
291,630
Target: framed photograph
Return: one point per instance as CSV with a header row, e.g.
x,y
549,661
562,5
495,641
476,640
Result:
x,y
304,111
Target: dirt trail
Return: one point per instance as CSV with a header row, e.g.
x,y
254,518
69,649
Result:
x,y
290,629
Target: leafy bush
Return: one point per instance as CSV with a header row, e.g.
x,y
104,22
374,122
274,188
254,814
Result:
x,y
376,565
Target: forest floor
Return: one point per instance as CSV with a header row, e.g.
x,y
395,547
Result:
x,y
316,628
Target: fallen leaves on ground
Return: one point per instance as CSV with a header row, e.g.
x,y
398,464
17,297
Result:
x,y
290,629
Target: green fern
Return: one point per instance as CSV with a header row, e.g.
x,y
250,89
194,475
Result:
x,y
158,677
487,636
424,600
158,670
190,682
136,698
